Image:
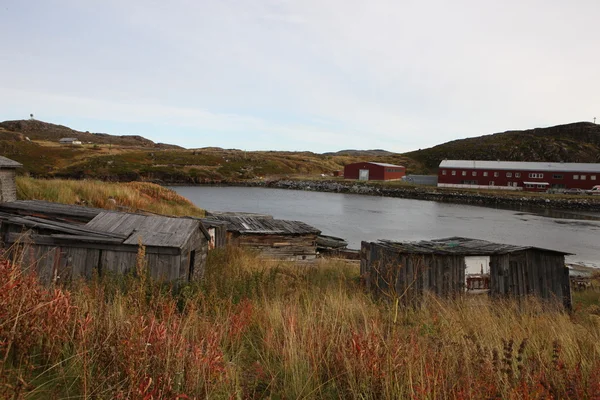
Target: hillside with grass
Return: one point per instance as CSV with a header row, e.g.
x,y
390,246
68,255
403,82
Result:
x,y
576,142
132,158
130,196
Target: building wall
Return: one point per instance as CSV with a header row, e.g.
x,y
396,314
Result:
x,y
376,172
8,188
515,179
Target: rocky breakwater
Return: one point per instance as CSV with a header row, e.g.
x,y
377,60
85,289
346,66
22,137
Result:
x,y
444,195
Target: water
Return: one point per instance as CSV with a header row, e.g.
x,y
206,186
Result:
x,y
356,218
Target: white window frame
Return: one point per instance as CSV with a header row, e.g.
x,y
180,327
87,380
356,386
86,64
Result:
x,y
509,174
443,172
517,174
485,173
576,177
496,174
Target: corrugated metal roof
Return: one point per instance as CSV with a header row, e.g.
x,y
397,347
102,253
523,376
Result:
x,y
459,246
385,164
152,230
265,226
8,163
522,166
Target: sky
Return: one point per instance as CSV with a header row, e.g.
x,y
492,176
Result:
x,y
317,75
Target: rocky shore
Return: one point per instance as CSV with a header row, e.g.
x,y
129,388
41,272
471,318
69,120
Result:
x,y
499,199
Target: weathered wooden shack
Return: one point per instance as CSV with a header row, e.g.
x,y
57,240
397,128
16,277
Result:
x,y
8,188
272,238
175,248
406,270
217,230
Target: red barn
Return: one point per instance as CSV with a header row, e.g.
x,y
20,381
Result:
x,y
518,175
373,171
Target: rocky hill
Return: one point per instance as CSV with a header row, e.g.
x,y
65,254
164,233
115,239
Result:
x,y
39,130
576,142
361,153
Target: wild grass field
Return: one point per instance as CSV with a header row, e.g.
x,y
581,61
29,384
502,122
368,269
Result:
x,y
130,196
264,329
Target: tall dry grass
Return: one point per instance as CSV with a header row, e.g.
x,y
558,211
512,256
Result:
x,y
130,196
256,329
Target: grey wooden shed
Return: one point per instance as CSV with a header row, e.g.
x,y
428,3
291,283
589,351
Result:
x,y
8,188
60,249
272,238
406,270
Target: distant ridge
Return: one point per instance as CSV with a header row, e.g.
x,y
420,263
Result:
x,y
574,142
359,153
40,130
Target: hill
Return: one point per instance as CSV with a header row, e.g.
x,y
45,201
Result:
x,y
134,158
575,142
39,130
360,153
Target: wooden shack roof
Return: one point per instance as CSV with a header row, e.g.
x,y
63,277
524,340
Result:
x,y
154,231
8,163
246,225
459,246
50,210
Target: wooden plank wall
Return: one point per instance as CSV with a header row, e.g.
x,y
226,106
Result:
x,y
284,247
394,275
8,188
531,273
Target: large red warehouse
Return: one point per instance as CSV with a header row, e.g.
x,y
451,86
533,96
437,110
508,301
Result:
x,y
373,171
517,175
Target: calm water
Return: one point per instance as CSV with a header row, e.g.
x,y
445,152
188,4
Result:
x,y
356,218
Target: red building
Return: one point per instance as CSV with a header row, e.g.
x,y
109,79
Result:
x,y
372,171
517,175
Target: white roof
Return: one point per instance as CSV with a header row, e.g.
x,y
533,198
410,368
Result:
x,y
522,166
385,164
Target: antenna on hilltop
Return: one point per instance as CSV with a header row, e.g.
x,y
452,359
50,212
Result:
x,y
31,117
594,119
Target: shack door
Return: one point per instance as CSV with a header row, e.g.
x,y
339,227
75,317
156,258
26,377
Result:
x,y
363,174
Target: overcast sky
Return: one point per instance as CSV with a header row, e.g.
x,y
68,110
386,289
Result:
x,y
313,75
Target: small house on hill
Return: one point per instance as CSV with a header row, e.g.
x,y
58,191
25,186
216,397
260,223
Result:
x,y
273,238
8,188
409,269
374,171
71,141
61,246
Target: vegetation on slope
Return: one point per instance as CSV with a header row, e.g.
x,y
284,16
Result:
x,y
132,196
577,142
254,329
40,130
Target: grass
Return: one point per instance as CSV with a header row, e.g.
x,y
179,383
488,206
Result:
x,y
257,329
131,196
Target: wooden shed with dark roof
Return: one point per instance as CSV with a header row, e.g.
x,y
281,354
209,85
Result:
x,y
60,246
8,188
406,270
273,238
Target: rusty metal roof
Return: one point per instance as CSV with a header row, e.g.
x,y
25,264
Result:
x,y
459,246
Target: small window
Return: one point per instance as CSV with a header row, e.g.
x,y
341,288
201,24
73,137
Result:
x,y
443,172
464,173
557,176
509,174
474,173
485,173
576,177
529,186
583,177
496,174
453,172
491,183
517,174
541,186
593,177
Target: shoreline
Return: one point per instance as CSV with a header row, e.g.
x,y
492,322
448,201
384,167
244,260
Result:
x,y
428,193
